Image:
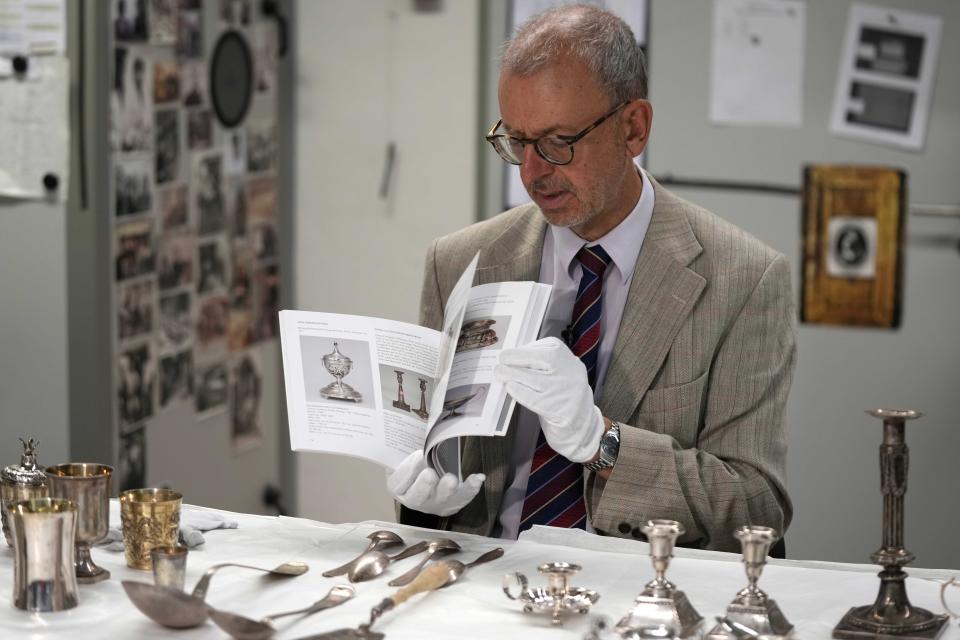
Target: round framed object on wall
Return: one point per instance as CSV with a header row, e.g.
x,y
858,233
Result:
x,y
231,78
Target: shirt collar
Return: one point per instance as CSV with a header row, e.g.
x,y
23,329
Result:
x,y
622,243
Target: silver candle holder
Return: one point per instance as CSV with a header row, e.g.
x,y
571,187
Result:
x,y
400,402
892,614
661,605
753,611
558,598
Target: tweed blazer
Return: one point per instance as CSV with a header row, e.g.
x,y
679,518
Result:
x,y
698,378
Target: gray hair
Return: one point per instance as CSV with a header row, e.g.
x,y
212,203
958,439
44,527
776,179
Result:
x,y
598,38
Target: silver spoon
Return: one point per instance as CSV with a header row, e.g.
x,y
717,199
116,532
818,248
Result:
x,y
286,569
373,563
435,546
378,540
243,628
455,568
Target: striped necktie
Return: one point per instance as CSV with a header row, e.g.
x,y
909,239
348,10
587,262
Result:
x,y
555,487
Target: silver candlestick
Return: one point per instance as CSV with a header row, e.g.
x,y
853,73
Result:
x,y
753,609
892,615
422,411
661,605
400,402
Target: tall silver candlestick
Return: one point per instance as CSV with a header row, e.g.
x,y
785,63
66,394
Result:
x,y
892,614
660,606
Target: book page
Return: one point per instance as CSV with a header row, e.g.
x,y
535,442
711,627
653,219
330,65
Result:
x,y
357,386
497,316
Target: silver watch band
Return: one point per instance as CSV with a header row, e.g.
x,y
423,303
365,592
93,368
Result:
x,y
609,448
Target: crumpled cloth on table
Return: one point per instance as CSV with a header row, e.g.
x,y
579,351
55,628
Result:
x,y
192,526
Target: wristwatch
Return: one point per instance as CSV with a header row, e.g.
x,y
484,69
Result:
x,y
609,448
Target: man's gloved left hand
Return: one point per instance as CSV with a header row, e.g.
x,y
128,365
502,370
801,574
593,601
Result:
x,y
546,378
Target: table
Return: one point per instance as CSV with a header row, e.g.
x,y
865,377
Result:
x,y
813,595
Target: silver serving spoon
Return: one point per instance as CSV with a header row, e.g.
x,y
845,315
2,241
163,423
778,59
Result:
x,y
455,568
378,540
435,546
286,569
243,628
373,563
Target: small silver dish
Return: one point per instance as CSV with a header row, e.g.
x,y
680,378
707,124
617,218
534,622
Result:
x,y
557,598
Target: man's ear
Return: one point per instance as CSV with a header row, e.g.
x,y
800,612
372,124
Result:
x,y
637,119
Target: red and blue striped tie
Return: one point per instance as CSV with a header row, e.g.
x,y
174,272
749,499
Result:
x,y
555,487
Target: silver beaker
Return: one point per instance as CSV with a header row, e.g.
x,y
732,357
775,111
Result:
x,y
43,530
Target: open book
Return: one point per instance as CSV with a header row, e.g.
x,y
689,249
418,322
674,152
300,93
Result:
x,y
379,389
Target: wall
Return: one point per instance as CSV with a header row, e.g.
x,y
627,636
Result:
x,y
833,471
369,73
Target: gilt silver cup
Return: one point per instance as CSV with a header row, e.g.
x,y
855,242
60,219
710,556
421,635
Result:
x,y
88,485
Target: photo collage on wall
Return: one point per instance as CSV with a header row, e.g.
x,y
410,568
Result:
x,y
195,222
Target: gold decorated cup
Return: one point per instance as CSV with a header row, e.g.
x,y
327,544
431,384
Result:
x,y
88,485
150,518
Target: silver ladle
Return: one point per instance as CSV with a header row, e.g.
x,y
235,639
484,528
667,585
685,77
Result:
x,y
242,628
435,546
378,540
175,609
373,563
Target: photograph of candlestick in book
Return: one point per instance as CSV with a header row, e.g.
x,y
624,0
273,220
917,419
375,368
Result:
x,y
406,392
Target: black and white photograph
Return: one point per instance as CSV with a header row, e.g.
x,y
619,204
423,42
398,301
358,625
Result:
x,y
193,82
264,58
199,129
166,81
235,199
884,89
130,20
354,389
266,302
176,257
401,392
213,316
136,255
136,384
190,34
176,377
133,181
211,388
168,145
131,103
263,237
208,194
235,12
464,401
213,264
174,211
247,382
163,22
261,146
175,321
235,155
135,308
132,460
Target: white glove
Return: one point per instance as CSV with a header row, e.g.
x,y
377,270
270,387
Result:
x,y
417,487
546,378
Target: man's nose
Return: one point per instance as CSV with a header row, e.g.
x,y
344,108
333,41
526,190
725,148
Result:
x,y
533,166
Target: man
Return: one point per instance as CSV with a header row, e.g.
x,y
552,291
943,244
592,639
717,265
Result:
x,y
669,394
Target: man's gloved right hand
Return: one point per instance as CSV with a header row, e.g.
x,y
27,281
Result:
x,y
418,487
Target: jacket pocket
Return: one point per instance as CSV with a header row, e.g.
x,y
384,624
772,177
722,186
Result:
x,y
673,410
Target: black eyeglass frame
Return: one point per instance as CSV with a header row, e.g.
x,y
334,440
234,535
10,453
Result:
x,y
492,137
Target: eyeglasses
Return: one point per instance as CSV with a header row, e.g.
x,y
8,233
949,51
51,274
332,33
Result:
x,y
554,148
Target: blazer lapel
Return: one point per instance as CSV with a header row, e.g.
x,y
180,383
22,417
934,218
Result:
x,y
662,293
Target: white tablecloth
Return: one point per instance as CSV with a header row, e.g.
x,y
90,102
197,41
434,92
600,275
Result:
x,y
813,596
